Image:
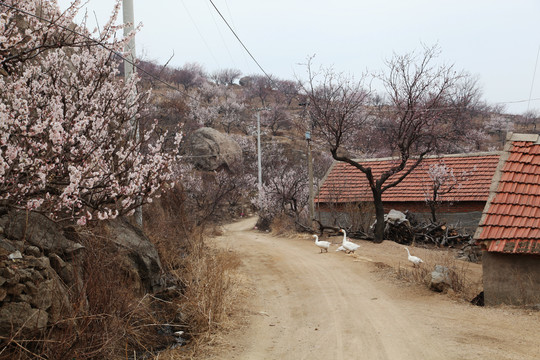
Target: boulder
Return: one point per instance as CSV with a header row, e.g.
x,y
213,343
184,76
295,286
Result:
x,y
245,81
211,150
37,230
440,279
140,257
21,317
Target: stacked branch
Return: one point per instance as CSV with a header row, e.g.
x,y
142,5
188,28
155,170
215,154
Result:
x,y
407,230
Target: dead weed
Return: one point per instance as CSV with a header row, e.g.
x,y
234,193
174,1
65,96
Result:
x,y
458,271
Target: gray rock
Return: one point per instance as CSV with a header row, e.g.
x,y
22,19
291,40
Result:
x,y
43,297
32,251
30,289
38,231
15,316
211,150
8,246
141,256
245,81
16,290
12,277
56,262
440,279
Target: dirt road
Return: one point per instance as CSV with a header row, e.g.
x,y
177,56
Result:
x,y
307,305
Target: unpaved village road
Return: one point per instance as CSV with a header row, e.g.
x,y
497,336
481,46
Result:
x,y
307,305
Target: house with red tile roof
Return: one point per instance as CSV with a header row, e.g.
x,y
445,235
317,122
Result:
x,y
345,189
509,230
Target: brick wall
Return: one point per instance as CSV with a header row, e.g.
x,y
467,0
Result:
x,y
462,215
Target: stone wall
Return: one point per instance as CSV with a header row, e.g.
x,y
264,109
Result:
x,y
41,267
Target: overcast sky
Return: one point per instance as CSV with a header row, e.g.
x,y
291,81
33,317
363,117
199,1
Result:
x,y
496,40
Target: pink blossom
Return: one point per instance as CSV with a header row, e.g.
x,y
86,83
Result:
x,y
65,121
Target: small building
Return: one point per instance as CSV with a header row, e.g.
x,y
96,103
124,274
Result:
x,y
345,190
509,230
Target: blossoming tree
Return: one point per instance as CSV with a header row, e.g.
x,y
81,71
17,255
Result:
x,y
442,181
67,144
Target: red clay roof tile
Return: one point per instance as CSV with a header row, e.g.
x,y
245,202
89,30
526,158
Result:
x,y
512,218
344,183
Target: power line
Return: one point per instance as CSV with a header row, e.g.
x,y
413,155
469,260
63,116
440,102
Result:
x,y
241,43
534,75
234,26
99,43
221,34
200,33
119,55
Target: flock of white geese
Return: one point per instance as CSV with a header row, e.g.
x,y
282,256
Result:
x,y
349,247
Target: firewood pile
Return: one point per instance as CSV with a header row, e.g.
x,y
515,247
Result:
x,y
430,233
403,228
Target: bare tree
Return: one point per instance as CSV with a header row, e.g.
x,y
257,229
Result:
x,y
276,119
226,76
207,193
529,120
420,103
230,110
259,87
287,91
284,189
189,76
500,125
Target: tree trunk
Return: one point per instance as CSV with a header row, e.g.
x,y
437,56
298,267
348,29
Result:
x,y
433,212
379,214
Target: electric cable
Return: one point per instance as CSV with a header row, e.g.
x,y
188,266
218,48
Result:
x,y
99,43
241,43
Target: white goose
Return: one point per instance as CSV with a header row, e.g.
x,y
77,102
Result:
x,y
414,259
323,245
349,246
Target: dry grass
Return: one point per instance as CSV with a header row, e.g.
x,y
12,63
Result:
x,y
460,282
360,215
106,315
111,318
283,225
207,276
211,298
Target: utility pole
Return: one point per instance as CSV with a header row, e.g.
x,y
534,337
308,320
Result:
x,y
259,162
129,70
310,176
129,20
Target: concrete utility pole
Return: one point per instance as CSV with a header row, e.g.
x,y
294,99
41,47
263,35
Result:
x,y
129,70
259,162
129,25
310,176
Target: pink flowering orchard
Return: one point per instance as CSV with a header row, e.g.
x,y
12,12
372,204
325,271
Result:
x,y
67,144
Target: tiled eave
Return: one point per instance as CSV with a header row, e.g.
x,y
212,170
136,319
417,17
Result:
x,y
511,219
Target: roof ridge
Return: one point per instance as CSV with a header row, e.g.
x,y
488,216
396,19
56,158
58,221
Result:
x,y
443,156
535,138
